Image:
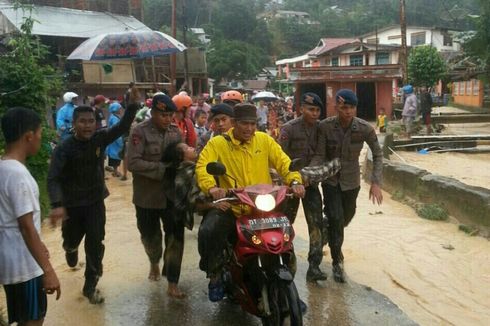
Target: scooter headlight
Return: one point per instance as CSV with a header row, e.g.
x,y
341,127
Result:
x,y
265,202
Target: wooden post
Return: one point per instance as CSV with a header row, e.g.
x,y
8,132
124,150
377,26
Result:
x,y
153,69
403,54
186,61
173,57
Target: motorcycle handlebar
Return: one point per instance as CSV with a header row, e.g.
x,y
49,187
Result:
x,y
234,198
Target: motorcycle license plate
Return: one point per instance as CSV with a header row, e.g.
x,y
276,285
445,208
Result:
x,y
264,223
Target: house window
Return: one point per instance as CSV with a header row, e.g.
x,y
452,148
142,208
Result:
x,y
394,37
356,60
447,39
372,40
468,87
456,88
382,58
335,62
417,38
476,87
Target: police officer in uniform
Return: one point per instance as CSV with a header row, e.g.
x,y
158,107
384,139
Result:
x,y
298,138
343,136
146,144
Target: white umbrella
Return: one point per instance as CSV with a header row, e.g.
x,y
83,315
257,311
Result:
x,y
127,45
264,96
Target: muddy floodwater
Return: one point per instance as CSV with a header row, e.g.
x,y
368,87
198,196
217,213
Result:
x,y
472,169
388,249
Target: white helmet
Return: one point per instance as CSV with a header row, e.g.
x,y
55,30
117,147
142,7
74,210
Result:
x,y
69,96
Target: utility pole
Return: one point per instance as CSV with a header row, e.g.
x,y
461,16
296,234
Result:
x,y
375,36
186,62
173,57
403,54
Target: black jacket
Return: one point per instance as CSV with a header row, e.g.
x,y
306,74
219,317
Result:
x,y
76,172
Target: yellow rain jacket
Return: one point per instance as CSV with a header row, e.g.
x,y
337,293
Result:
x,y
248,163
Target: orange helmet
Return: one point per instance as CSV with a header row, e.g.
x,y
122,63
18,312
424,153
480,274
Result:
x,y
182,101
234,96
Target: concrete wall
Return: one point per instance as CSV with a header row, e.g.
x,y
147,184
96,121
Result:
x,y
384,97
469,204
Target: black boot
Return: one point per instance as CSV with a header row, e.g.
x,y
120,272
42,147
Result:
x,y
72,258
91,293
315,274
338,273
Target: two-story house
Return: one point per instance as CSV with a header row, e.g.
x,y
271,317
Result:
x,y
440,38
371,70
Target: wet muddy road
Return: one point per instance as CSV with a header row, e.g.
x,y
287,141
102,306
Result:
x,y
393,252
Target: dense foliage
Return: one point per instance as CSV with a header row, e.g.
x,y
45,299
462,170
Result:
x,y
25,80
425,66
229,23
478,46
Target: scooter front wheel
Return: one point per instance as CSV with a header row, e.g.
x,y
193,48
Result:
x,y
284,304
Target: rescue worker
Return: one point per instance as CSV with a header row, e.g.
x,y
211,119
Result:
x,y
186,126
343,137
147,142
232,98
64,116
298,138
99,102
247,156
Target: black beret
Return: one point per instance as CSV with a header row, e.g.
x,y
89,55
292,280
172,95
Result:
x,y
221,108
346,96
164,103
312,99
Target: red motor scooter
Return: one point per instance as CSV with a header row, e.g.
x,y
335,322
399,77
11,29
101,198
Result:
x,y
257,273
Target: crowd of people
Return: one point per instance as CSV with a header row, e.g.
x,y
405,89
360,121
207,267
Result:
x,y
166,145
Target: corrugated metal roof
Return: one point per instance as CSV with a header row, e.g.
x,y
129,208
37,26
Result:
x,y
54,21
293,60
326,44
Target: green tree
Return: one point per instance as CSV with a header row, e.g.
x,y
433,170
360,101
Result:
x,y
425,66
234,60
478,46
25,80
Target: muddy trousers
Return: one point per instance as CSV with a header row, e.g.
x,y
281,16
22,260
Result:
x,y
148,222
217,229
339,208
88,221
312,207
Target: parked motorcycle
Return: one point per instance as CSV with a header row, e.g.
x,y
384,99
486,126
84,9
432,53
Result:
x,y
258,271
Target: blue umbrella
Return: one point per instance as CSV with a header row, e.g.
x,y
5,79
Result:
x,y
127,45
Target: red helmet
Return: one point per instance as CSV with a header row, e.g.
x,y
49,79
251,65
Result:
x,y
100,99
182,101
148,102
234,96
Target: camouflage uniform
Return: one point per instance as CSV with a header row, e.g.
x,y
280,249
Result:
x,y
300,141
340,191
145,147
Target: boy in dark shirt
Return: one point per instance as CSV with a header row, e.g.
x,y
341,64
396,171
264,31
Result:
x,y
77,189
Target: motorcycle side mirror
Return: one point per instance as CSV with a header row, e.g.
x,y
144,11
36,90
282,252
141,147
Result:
x,y
216,168
297,164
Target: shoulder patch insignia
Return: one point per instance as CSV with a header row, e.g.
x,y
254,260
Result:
x,y
136,139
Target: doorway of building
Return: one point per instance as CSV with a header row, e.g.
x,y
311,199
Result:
x,y
366,95
318,89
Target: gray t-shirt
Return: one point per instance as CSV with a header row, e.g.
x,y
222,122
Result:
x,y
19,195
